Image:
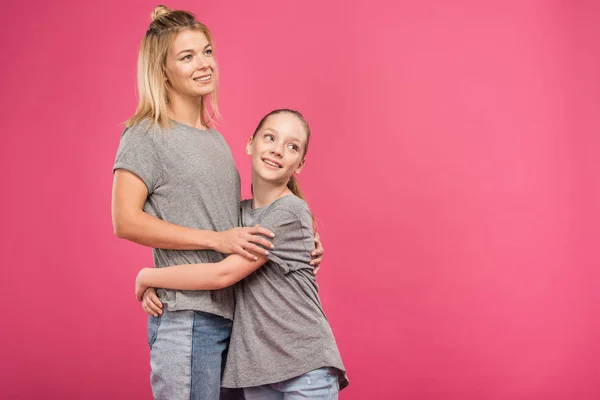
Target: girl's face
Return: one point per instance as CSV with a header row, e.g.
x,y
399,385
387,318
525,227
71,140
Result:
x,y
190,65
278,148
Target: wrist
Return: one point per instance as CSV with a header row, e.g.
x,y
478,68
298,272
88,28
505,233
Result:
x,y
142,276
211,240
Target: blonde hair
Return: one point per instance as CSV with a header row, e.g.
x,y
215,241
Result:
x,y
152,83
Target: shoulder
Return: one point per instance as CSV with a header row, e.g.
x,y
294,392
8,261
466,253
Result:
x,y
143,130
290,203
288,209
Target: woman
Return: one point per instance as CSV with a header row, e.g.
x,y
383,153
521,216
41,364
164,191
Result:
x,y
176,189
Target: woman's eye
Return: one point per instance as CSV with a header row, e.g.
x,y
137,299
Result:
x,y
208,52
187,58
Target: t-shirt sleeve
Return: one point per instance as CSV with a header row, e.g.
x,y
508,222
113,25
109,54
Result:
x,y
294,238
137,153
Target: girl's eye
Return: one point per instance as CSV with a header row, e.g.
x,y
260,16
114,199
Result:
x,y
269,137
293,147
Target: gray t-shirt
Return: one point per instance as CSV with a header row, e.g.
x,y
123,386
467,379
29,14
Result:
x,y
280,330
192,181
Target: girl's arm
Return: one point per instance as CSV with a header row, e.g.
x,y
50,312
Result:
x,y
132,223
208,276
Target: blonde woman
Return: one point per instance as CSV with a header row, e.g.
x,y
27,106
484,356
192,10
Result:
x,y
176,189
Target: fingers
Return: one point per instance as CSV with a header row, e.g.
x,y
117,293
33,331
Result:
x,y
317,254
259,240
251,251
149,310
155,300
316,261
318,245
257,229
242,252
256,250
151,304
316,269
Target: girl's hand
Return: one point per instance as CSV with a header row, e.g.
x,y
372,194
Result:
x,y
140,287
317,254
244,241
151,304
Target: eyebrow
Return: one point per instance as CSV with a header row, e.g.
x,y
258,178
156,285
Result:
x,y
293,137
192,50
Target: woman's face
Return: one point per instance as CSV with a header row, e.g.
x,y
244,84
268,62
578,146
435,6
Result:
x,y
277,149
190,66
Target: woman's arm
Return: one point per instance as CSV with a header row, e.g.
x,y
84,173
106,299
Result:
x,y
206,276
132,223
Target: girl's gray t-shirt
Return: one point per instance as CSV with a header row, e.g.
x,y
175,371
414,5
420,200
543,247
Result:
x,y
192,181
279,329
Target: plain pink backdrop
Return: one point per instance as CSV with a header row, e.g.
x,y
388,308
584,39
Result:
x,y
452,170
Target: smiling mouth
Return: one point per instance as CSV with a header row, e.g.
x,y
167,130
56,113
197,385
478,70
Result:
x,y
203,78
272,163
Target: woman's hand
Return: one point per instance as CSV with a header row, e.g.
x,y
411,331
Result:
x,y
244,241
317,254
151,304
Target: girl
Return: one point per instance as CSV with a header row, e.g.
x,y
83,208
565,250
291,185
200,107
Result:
x,y
282,346
176,189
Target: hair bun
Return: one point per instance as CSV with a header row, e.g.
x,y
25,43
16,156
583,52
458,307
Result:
x,y
159,11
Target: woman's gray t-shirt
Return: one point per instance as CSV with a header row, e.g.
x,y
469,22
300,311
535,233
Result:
x,y
279,329
192,181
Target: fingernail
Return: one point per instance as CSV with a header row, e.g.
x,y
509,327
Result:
x,y
266,253
272,234
255,258
311,263
272,246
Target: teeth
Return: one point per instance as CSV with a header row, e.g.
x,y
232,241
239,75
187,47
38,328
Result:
x,y
271,163
204,78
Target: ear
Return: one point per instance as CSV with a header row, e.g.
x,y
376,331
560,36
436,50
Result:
x,y
249,146
300,166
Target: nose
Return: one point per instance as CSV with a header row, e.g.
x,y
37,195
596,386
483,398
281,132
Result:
x,y
201,62
276,150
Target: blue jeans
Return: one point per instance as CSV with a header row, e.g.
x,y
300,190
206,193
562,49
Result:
x,y
187,354
321,384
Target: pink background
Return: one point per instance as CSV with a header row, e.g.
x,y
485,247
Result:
x,y
452,170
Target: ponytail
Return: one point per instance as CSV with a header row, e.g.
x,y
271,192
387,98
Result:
x,y
294,187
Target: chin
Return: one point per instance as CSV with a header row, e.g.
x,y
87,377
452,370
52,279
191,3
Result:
x,y
270,178
205,92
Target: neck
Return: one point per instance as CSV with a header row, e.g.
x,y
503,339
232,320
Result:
x,y
264,193
186,110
